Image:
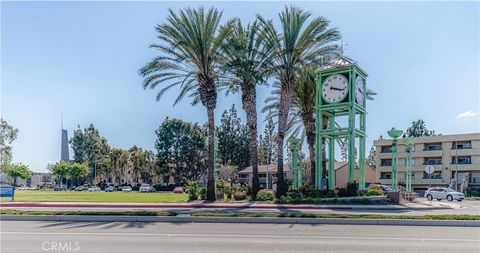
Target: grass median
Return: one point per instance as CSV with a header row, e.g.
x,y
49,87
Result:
x,y
120,197
251,215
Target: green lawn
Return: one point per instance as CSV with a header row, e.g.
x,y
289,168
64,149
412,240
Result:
x,y
124,197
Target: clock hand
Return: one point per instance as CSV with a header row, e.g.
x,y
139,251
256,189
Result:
x,y
334,88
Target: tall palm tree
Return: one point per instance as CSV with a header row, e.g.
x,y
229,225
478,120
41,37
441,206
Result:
x,y
300,44
246,58
189,51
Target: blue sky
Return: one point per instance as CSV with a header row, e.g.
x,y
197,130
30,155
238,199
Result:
x,y
81,59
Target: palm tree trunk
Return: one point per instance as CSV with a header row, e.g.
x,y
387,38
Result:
x,y
309,123
211,153
250,106
324,152
286,91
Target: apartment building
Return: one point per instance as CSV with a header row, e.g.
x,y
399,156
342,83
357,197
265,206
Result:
x,y
448,154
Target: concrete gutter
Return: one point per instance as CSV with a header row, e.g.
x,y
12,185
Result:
x,y
271,220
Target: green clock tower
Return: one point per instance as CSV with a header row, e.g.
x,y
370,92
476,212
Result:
x,y
341,92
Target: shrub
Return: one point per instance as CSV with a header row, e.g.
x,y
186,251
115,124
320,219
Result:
x,y
362,192
328,193
294,194
229,191
374,192
240,195
193,189
265,195
202,193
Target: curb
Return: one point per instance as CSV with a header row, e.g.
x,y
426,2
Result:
x,y
271,220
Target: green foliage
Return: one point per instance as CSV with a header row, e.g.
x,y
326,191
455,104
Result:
x,y
371,157
374,192
419,129
202,193
267,152
349,191
88,146
17,171
181,150
192,190
265,195
8,134
233,140
74,171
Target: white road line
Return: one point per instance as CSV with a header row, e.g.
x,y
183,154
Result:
x,y
245,236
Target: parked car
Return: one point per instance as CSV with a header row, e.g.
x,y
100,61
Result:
x,y
443,193
59,188
93,189
178,190
80,188
146,188
111,188
126,189
385,188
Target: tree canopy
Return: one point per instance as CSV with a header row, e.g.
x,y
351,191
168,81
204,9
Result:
x,y
233,140
8,134
419,129
18,171
181,150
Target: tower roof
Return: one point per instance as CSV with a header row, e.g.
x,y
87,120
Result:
x,y
341,62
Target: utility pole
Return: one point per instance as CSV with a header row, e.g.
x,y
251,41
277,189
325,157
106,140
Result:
x,y
455,142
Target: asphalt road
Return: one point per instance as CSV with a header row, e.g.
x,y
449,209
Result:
x,y
118,237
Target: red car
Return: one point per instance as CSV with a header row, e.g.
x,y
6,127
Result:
x,y
178,190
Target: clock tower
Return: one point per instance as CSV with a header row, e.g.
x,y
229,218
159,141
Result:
x,y
340,101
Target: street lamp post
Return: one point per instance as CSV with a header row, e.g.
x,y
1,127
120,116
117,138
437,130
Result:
x,y
409,142
395,134
456,164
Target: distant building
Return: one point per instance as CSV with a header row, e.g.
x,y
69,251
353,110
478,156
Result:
x,y
64,154
246,175
446,153
341,170
341,174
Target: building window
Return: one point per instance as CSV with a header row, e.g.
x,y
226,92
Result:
x,y
433,161
243,176
432,146
262,175
462,145
386,149
386,162
413,162
385,175
462,160
435,175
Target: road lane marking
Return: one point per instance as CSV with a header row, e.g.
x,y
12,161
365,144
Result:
x,y
244,236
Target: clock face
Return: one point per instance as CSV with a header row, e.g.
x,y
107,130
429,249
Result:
x,y
335,88
359,90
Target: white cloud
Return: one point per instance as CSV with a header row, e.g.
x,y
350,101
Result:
x,y
467,114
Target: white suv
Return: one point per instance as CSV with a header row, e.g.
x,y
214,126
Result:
x,y
443,193
146,188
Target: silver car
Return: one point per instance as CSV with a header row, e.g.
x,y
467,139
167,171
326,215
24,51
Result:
x,y
443,193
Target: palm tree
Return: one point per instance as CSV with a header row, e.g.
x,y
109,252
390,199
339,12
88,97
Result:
x,y
300,44
189,52
246,58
